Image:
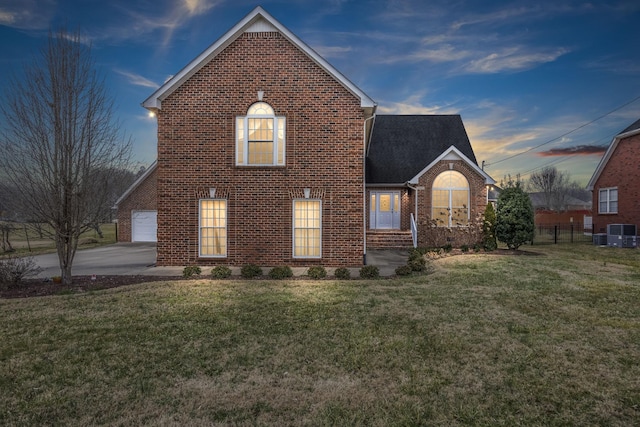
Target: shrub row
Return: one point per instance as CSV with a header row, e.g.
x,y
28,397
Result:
x,y
251,271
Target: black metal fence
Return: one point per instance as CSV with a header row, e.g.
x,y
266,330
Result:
x,y
562,233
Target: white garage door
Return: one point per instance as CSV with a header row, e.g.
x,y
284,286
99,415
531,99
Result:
x,y
144,226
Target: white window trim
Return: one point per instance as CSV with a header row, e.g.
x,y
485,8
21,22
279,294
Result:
x,y
608,192
279,144
293,229
226,246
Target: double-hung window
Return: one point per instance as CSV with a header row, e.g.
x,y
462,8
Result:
x,y
450,199
213,228
260,137
307,228
608,200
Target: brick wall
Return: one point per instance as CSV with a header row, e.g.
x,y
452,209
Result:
x,y
457,236
324,152
142,198
621,171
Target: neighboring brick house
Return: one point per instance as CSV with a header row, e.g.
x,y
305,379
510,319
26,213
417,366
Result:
x,y
262,146
615,184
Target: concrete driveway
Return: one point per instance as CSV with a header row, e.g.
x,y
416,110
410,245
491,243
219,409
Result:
x,y
116,259
140,258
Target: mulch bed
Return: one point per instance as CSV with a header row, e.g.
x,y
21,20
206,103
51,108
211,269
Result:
x,y
39,287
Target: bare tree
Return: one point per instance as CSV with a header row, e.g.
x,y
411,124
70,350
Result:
x,y
547,182
60,130
556,187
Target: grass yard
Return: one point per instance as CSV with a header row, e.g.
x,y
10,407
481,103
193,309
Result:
x,y
552,339
26,240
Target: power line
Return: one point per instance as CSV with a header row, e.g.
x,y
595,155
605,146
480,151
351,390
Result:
x,y
565,134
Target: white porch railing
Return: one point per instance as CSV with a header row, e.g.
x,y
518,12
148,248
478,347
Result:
x,y
414,231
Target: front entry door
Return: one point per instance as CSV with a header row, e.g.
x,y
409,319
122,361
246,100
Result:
x,y
385,210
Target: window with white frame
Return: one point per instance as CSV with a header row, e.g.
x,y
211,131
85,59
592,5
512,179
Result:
x,y
608,200
450,199
260,137
307,228
213,228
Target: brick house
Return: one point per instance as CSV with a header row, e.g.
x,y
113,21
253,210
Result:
x,y
615,184
269,155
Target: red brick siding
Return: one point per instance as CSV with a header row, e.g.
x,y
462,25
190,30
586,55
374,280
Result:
x,y
142,198
621,171
478,201
324,152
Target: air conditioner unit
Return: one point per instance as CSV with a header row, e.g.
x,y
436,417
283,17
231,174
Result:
x,y
621,235
629,241
600,239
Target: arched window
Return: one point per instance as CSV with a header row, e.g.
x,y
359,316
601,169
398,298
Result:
x,y
260,137
450,199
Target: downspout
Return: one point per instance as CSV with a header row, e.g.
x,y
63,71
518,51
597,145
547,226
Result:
x,y
415,201
364,184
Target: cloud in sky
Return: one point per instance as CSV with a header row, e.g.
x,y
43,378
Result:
x,y
579,150
332,51
27,14
513,59
413,105
136,79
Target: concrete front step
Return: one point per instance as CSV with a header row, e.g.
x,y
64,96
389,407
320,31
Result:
x,y
389,239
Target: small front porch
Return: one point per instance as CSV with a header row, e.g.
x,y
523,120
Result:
x,y
389,239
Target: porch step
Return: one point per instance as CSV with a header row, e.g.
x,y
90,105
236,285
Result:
x,y
378,239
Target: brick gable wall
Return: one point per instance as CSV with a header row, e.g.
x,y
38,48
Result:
x,y
621,171
324,152
457,236
142,198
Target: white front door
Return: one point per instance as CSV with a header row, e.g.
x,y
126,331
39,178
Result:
x,y
384,210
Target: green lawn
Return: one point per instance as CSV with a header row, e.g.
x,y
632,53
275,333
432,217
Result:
x,y
552,339
26,240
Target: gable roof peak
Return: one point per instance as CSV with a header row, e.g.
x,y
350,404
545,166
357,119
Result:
x,y
631,130
258,20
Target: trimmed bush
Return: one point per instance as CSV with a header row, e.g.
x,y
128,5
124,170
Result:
x,y
464,248
250,271
191,270
317,272
447,247
14,269
404,270
489,229
280,273
221,272
369,272
342,273
417,264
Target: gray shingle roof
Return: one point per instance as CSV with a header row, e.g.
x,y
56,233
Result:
x,y
401,146
633,126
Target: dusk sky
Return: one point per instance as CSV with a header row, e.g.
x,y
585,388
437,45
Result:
x,y
536,83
